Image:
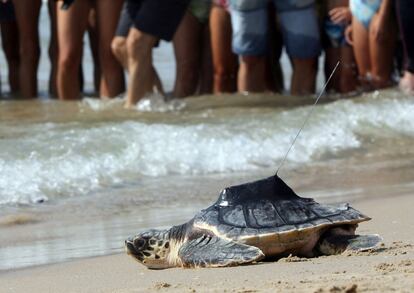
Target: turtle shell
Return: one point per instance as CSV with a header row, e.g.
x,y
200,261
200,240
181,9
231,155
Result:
x,y
268,207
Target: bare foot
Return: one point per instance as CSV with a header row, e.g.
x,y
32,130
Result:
x,y
407,83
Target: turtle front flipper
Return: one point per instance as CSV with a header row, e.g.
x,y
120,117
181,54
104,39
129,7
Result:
x,y
212,251
336,244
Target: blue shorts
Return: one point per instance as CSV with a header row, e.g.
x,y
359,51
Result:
x,y
298,22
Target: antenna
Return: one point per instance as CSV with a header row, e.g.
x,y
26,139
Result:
x,y
307,117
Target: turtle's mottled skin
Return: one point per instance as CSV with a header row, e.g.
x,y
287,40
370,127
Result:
x,y
250,222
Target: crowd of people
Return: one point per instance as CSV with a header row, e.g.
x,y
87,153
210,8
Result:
x,y
220,46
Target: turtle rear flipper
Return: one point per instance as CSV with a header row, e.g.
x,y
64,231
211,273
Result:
x,y
212,251
336,244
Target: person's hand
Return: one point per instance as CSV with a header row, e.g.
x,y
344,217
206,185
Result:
x,y
348,35
340,15
377,28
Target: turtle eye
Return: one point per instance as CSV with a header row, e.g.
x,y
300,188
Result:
x,y
139,243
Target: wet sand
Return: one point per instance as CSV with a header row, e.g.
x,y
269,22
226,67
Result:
x,y
391,268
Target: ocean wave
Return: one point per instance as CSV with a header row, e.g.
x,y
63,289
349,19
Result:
x,y
59,160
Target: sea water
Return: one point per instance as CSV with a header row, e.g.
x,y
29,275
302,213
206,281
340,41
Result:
x,y
77,178
88,151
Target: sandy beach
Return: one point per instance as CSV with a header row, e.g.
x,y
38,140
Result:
x,y
390,269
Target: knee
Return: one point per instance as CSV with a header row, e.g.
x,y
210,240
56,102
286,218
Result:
x,y
118,46
138,45
68,61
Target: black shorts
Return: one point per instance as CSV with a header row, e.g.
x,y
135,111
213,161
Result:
x,y
7,12
159,18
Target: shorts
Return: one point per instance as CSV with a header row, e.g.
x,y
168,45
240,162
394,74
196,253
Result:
x,y
364,10
298,22
159,18
200,9
281,5
334,34
7,12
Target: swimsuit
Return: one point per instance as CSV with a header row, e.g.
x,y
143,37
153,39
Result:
x,y
200,9
364,10
298,23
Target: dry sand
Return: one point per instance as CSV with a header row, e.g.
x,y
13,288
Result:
x,y
389,269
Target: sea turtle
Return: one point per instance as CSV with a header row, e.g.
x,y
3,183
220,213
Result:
x,y
250,222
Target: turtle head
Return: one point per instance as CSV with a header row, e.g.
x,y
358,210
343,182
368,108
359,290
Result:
x,y
151,248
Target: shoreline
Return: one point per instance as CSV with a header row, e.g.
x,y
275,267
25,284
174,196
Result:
x,y
389,268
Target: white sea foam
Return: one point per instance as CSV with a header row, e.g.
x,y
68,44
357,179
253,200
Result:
x,y
58,160
157,103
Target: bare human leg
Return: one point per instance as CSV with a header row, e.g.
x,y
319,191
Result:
x,y
187,48
251,75
139,48
224,61
345,79
332,55
362,52
382,53
94,43
348,76
53,49
72,25
10,41
27,15
206,66
119,48
404,11
406,84
112,81
304,76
